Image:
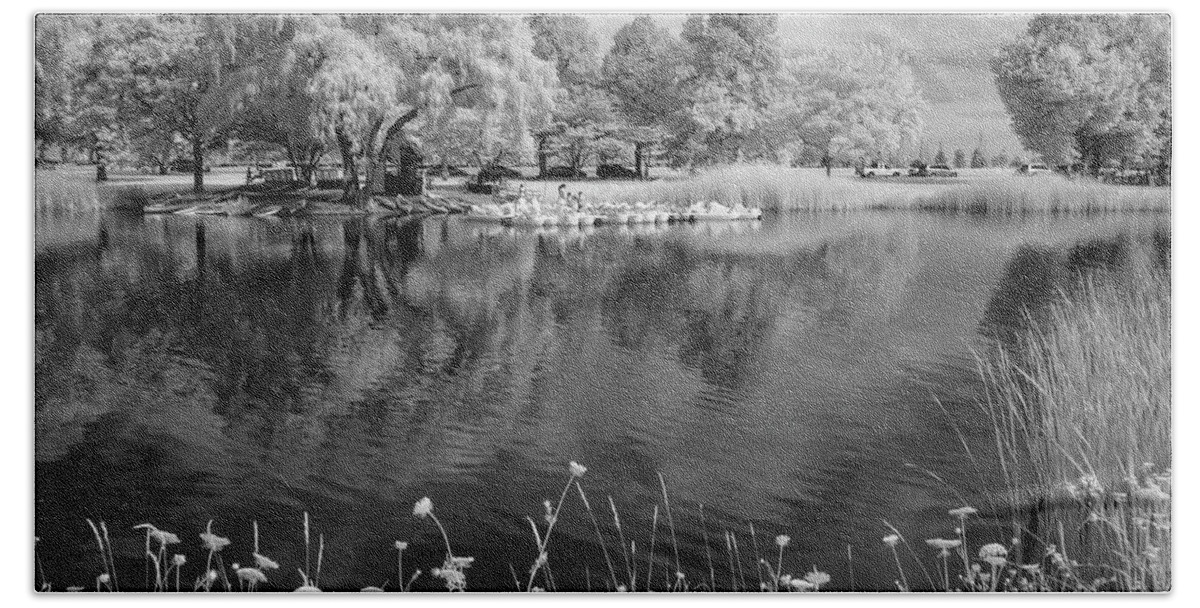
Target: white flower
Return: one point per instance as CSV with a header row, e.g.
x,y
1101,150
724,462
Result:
x,y
963,512
423,507
800,584
942,543
179,560
891,540
214,543
994,554
265,563
251,575
401,545
816,577
104,578
782,540
577,470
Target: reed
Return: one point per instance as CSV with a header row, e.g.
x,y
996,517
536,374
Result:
x,y
1081,413
776,188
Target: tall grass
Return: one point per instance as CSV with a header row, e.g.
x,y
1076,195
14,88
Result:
x,y
1081,409
777,188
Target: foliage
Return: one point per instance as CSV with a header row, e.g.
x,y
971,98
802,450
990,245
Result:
x,y
1093,88
978,160
840,108
960,159
940,157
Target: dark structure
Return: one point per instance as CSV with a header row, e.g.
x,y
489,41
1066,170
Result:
x,y
404,174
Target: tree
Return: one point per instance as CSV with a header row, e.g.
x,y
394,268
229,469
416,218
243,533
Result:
x,y
1092,88
940,157
173,74
734,61
644,71
835,108
978,160
1000,159
583,119
375,81
960,158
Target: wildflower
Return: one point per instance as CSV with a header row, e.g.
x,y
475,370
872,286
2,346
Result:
x,y
942,543
782,540
265,563
994,554
370,590
537,590
816,577
622,589
785,580
104,578
307,589
423,507
252,576
541,560
577,470
462,562
891,540
162,536
178,560
212,542
800,584
680,575
211,575
401,545
963,512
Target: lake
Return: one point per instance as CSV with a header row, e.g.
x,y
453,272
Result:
x,y
810,375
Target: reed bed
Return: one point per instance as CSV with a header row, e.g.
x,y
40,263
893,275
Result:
x,y
1081,411
780,189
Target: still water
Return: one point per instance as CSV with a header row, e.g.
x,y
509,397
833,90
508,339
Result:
x,y
812,375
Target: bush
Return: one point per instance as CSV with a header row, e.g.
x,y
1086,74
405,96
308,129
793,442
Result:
x,y
616,172
563,173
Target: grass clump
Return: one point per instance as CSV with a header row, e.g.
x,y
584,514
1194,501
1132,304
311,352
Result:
x,y
1081,410
776,188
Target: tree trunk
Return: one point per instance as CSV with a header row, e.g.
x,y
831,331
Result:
x,y
197,164
542,154
639,159
350,194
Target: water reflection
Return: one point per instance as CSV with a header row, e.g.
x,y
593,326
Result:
x,y
782,374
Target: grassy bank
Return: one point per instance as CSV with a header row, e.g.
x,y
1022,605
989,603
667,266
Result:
x,y
785,189
1082,415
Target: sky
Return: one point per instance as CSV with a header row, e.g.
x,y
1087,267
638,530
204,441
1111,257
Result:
x,y
951,54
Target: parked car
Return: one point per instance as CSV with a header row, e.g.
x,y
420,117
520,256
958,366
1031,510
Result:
x,y
495,173
880,169
941,171
564,173
1034,169
615,172
187,165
